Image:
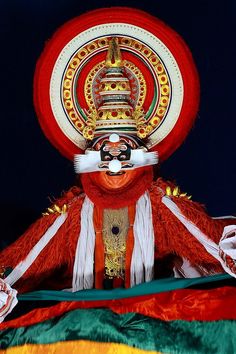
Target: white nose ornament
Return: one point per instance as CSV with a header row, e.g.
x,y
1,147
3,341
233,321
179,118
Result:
x,y
114,166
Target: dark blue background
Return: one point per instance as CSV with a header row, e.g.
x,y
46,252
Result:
x,y
32,170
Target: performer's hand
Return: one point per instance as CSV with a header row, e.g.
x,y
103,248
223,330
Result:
x,y
227,249
8,299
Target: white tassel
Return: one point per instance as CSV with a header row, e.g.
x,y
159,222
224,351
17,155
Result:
x,y
142,262
22,267
84,256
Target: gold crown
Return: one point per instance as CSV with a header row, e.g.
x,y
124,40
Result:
x,y
115,113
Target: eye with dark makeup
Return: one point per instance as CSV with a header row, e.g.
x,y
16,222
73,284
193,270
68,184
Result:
x,y
123,147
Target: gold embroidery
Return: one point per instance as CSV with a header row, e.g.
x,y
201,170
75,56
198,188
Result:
x,y
176,193
56,209
115,230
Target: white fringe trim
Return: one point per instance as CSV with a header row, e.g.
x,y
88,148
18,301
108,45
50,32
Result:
x,y
22,267
142,262
84,257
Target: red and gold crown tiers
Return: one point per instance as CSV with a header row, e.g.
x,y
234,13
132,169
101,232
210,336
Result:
x,y
116,70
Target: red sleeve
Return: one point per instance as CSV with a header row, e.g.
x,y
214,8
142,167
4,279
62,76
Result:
x,y
55,260
172,237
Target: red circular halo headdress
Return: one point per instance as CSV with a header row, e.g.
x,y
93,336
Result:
x,y
163,81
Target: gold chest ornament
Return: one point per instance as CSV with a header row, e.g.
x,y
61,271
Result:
x,y
115,230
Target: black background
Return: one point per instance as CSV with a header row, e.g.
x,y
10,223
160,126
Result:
x,y
32,170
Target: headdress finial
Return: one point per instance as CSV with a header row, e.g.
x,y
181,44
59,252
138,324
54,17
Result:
x,y
114,59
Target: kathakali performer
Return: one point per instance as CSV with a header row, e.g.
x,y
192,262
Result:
x,y
117,91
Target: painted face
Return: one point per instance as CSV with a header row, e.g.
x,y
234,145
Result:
x,y
118,152
114,155
116,163
110,180
116,181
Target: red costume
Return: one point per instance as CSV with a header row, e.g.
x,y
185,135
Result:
x,y
172,241
127,94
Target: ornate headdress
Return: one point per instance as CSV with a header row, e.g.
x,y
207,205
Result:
x,y
116,82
